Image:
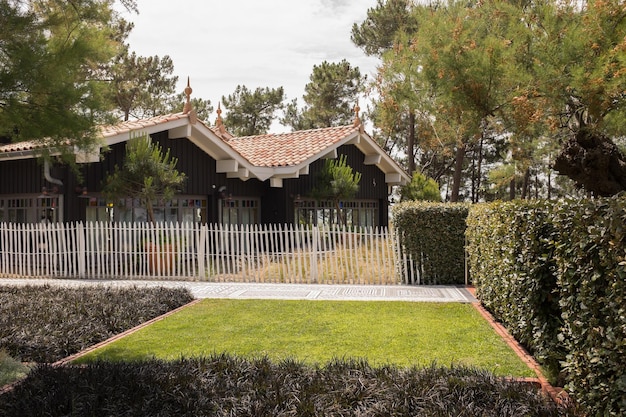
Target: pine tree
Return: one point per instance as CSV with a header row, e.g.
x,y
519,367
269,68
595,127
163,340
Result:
x,y
147,173
329,97
252,112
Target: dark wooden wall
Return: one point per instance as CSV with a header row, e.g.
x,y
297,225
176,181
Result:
x,y
26,176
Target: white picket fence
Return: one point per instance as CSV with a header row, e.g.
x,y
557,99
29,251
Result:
x,y
214,253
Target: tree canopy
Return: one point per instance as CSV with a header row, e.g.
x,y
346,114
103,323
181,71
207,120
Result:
x,y
51,53
142,86
252,112
547,76
420,188
65,67
147,173
329,97
337,182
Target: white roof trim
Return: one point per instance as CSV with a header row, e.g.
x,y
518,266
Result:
x,y
234,164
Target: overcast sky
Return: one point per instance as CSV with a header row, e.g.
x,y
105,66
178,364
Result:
x,y
256,43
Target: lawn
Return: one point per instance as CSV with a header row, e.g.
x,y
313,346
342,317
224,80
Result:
x,y
315,332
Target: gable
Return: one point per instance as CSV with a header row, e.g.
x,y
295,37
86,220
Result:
x,y
272,157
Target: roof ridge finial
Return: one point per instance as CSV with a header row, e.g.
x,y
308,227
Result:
x,y
219,123
357,120
187,106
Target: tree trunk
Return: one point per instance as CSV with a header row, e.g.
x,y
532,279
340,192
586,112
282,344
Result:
x,y
512,189
526,184
594,162
458,173
150,212
549,184
411,144
478,174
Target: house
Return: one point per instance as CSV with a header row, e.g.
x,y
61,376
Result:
x,y
265,179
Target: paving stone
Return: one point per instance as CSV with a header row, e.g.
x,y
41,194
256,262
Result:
x,y
281,291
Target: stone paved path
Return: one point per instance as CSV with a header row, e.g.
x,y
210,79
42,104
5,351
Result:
x,y
283,291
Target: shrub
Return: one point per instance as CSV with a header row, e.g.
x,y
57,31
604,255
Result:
x,y
46,324
590,252
432,234
510,258
229,386
555,275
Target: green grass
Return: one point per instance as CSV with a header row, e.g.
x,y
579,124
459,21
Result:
x,y
11,370
315,332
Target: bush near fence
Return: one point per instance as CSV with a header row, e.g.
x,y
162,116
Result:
x,y
432,236
555,275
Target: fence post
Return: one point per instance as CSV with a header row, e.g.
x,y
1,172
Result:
x,y
314,254
81,253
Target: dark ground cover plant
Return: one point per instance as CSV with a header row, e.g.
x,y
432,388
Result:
x,y
42,323
224,385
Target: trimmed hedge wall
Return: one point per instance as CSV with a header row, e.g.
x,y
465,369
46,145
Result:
x,y
590,249
432,234
510,258
555,275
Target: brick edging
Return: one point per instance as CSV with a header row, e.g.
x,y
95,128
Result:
x,y
558,395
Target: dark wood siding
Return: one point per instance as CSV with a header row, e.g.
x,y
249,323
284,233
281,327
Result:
x,y
21,176
372,186
26,176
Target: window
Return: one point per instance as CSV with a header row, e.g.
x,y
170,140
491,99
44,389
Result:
x,y
178,210
355,213
239,210
31,209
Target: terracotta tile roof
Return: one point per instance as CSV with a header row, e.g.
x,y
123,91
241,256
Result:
x,y
105,131
270,150
29,145
132,125
288,149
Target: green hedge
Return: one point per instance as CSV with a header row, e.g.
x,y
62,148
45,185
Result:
x,y
555,275
510,258
432,234
590,249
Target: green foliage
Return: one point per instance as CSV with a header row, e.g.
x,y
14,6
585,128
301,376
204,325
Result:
x,y
147,174
510,258
432,234
535,73
421,188
49,64
555,274
379,31
222,385
203,108
329,98
46,324
142,86
336,182
252,112
590,254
